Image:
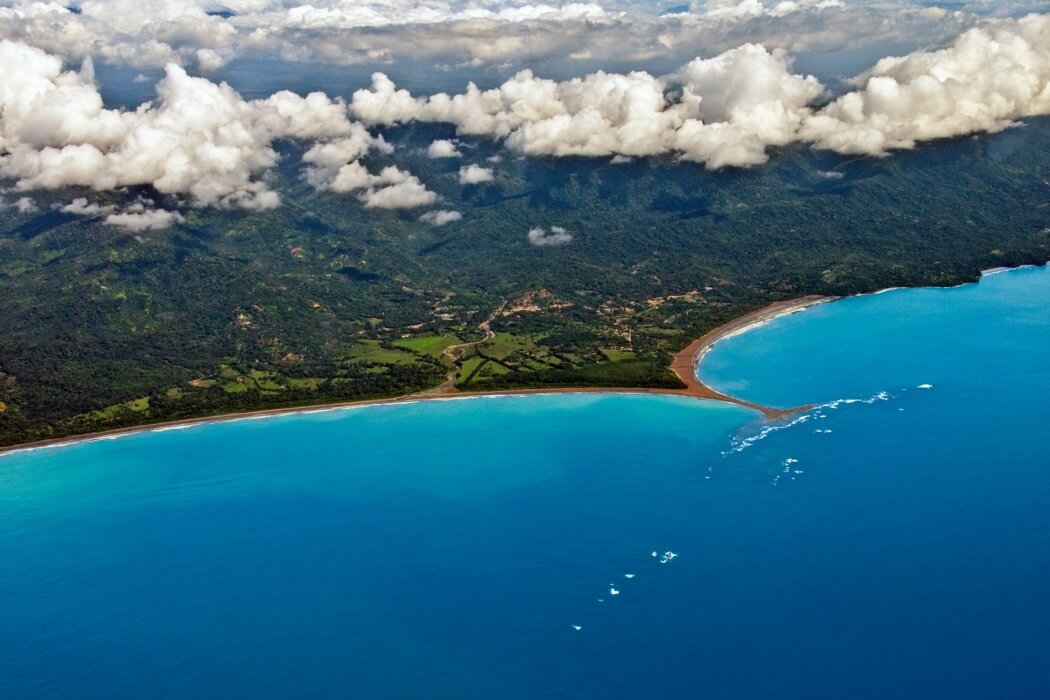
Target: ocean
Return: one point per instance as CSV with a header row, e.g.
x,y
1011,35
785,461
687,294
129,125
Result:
x,y
892,541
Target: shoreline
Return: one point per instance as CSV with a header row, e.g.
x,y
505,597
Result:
x,y
684,365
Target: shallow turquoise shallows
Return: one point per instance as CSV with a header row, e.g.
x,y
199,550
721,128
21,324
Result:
x,y
893,542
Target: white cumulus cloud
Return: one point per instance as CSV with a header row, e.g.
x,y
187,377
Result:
x,y
443,148
81,206
404,195
440,217
538,236
391,188
327,159
474,174
138,218
202,140
728,110
25,205
986,80
199,138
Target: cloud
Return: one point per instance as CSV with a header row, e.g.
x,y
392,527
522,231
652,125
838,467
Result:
x,y
404,195
443,148
475,174
739,103
986,80
327,159
153,33
81,206
746,9
198,138
391,188
203,140
728,110
138,218
440,217
25,205
538,236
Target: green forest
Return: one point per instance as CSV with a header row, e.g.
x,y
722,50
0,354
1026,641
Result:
x,y
323,300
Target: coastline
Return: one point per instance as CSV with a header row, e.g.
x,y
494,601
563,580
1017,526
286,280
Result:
x,y
684,365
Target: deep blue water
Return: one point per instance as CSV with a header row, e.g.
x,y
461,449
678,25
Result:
x,y
444,550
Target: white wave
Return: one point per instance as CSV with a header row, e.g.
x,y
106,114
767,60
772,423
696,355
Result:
x,y
816,413
741,444
924,386
668,556
169,428
35,448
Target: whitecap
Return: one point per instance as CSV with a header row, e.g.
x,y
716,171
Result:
x,y
169,428
817,412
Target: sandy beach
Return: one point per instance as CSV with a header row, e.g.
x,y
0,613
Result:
x,y
683,364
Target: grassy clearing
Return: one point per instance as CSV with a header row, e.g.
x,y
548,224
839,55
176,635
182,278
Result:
x,y
491,369
658,330
309,383
431,345
469,370
139,405
617,355
505,344
372,351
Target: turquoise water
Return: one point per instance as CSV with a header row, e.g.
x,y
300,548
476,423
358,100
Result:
x,y
897,545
